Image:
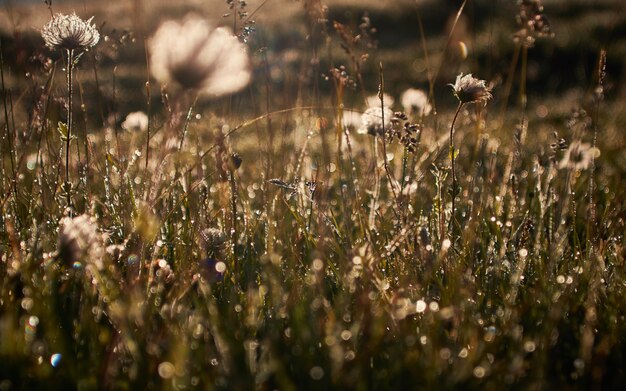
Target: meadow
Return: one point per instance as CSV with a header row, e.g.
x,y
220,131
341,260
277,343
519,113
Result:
x,y
294,195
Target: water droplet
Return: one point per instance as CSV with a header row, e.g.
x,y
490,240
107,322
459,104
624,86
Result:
x,y
316,373
55,359
479,372
166,370
220,267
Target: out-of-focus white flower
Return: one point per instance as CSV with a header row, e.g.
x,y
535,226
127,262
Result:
x,y
469,89
70,32
351,119
137,120
198,57
578,156
372,121
79,240
415,102
374,101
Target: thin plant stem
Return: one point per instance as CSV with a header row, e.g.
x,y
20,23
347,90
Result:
x,y
454,185
381,92
148,101
68,139
187,120
509,82
233,229
599,93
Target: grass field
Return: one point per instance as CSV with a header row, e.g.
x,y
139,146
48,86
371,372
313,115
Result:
x,y
167,224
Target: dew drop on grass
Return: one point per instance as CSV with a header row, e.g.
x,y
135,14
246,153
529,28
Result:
x,y
55,360
479,372
166,370
316,373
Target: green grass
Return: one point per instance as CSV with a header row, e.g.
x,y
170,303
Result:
x,y
353,283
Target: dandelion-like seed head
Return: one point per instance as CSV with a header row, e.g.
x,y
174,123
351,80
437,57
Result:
x,y
578,156
469,89
213,241
137,120
372,121
374,100
77,238
70,32
197,57
415,102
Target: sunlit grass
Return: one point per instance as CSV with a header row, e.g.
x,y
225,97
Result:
x,y
260,240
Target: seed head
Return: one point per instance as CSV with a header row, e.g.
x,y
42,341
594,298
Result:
x,y
78,239
372,121
213,241
578,156
197,57
415,102
374,100
137,120
469,89
70,32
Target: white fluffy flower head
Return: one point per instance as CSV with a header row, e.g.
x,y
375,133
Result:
x,y
196,56
70,32
137,120
415,102
579,156
372,121
469,89
374,100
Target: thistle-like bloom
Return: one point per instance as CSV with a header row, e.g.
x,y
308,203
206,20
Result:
x,y
137,120
578,156
70,32
197,57
372,121
79,240
469,89
374,100
415,102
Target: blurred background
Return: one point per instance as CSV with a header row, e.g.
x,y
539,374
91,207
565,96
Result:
x,y
282,44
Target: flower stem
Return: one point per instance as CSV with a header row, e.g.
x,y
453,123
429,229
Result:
x,y
456,114
187,120
70,68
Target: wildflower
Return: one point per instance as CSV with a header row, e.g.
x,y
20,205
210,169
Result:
x,y
374,100
212,270
372,121
468,89
70,32
197,57
578,156
163,273
351,119
137,120
533,23
213,241
77,239
415,102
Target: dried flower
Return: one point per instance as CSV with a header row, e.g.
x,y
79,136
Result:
x,y
415,102
533,23
468,89
137,120
78,239
197,57
372,121
212,270
70,32
213,241
578,156
374,100
351,119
